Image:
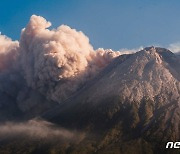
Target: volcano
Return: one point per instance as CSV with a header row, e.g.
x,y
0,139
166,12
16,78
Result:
x,y
135,99
131,106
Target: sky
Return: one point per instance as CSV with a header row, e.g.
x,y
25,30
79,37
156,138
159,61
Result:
x,y
114,24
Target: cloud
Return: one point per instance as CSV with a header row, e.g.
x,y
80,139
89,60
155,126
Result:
x,y
174,47
130,51
36,129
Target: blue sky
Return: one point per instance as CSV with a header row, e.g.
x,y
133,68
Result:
x,y
112,24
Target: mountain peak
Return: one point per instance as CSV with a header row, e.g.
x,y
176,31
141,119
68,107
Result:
x,y
147,73
151,48
149,53
159,50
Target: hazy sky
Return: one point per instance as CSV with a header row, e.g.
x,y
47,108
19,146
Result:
x,y
108,23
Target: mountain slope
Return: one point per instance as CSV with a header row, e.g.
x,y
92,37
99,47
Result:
x,y
152,73
136,95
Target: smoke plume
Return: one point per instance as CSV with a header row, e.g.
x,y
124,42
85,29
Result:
x,y
8,52
56,62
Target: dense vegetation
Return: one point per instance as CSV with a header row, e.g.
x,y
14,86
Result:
x,y
114,126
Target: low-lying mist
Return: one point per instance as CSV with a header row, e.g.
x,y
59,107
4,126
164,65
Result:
x,y
38,129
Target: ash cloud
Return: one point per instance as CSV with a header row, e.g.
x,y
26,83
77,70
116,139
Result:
x,y
57,62
53,63
8,52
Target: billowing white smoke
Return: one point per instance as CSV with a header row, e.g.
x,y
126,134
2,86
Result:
x,y
8,52
57,62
